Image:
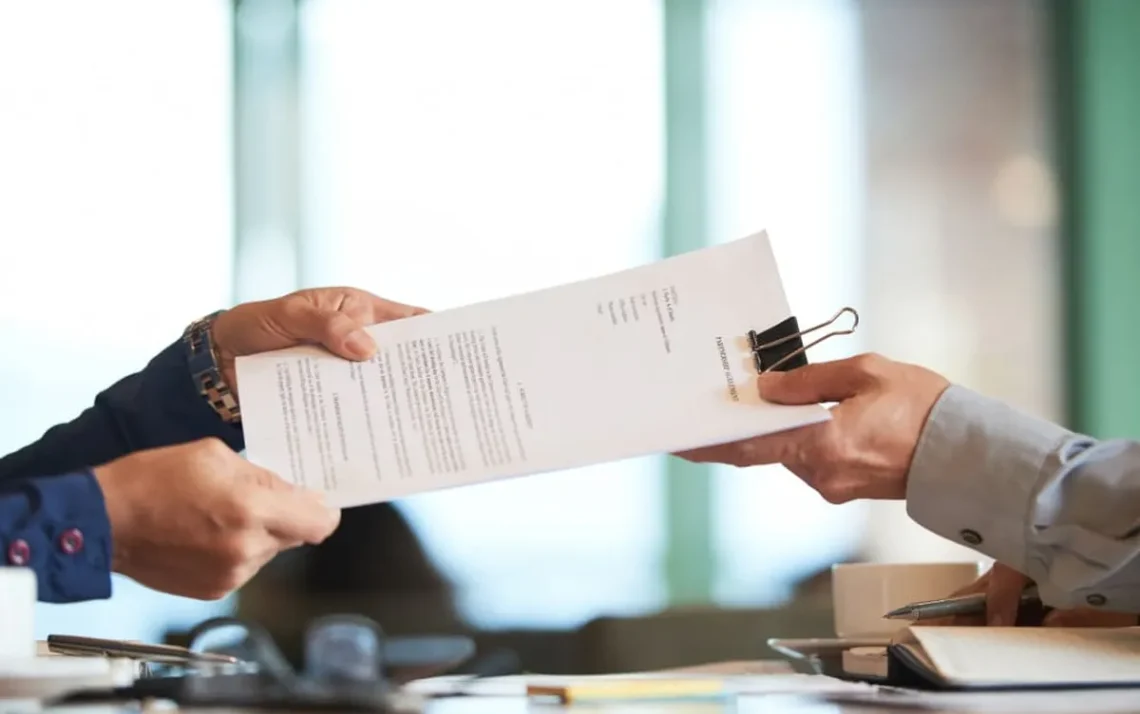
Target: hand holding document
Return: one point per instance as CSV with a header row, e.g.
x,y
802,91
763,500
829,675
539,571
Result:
x,y
654,359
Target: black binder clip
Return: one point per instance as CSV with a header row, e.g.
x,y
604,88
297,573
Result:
x,y
782,348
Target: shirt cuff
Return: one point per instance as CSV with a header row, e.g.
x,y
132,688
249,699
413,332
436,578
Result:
x,y
58,527
975,471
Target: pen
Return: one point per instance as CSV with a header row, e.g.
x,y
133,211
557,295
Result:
x,y
963,605
94,646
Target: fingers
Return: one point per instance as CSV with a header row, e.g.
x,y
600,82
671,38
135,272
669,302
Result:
x,y
1003,595
289,513
379,309
295,516
823,382
338,332
336,318
751,452
978,586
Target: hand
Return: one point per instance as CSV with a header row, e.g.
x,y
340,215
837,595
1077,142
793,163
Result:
x,y
1003,587
865,450
215,520
332,317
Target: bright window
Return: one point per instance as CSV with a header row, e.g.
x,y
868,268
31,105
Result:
x,y
116,220
458,151
785,143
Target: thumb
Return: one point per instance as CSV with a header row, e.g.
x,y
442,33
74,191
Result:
x,y
1003,597
339,333
814,383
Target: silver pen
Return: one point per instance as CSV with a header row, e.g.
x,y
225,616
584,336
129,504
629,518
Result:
x,y
947,607
95,647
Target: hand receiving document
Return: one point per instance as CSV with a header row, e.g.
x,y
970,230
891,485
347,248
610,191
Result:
x,y
655,359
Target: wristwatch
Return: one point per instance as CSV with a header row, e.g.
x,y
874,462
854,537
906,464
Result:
x,y
202,359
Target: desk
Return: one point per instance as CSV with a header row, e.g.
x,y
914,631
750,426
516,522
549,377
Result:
x,y
1074,703
490,705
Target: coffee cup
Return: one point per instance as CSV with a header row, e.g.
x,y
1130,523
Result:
x,y
863,592
17,611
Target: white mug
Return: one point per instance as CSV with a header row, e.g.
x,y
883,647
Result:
x,y
17,613
863,592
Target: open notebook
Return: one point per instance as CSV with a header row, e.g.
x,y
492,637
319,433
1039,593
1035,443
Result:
x,y
1015,657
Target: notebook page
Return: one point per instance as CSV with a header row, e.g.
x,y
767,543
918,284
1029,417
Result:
x,y
649,360
1033,655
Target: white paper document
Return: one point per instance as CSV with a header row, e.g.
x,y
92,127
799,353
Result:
x,y
740,684
649,360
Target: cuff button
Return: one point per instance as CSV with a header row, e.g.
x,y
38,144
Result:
x,y
71,541
1096,600
19,552
971,537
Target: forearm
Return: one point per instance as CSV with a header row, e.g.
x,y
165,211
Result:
x,y
159,406
1060,507
58,527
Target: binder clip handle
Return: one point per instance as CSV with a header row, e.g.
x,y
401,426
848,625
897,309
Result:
x,y
782,346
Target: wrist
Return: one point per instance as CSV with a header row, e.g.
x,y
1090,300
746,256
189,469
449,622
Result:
x,y
212,369
119,516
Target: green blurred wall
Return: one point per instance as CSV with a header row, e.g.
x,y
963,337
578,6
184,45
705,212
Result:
x,y
1097,61
689,553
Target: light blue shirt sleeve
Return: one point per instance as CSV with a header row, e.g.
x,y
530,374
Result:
x,y
1060,507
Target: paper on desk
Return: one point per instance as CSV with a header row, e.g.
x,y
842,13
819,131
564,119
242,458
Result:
x,y
650,360
1054,701
516,685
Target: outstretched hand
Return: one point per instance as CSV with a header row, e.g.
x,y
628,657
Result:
x,y
865,449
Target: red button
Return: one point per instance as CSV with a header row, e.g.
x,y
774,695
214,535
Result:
x,y
19,552
71,541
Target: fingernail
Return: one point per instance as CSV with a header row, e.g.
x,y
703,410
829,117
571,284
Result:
x,y
360,343
997,620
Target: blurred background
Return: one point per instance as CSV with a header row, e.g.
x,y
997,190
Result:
x,y
964,173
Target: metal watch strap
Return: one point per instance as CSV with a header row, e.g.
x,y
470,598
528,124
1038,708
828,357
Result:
x,y
203,363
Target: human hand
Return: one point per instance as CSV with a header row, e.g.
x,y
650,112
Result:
x,y
1003,587
865,449
215,520
332,317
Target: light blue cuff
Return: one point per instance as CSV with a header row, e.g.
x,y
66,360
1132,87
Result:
x,y
975,471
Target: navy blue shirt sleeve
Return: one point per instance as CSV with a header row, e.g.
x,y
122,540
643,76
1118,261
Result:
x,y
158,406
58,524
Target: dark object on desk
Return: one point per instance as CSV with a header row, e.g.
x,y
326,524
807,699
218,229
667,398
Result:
x,y
373,565
496,663
348,663
252,691
781,347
